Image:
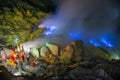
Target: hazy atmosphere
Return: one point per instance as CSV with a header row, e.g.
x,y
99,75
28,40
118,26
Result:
x,y
59,39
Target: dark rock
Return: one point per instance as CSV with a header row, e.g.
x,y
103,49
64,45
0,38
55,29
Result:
x,y
5,74
95,52
73,51
18,78
83,74
73,77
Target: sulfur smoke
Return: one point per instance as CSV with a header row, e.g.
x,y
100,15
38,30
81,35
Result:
x,y
90,17
81,19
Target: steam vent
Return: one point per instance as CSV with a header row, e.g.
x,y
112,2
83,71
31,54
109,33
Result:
x,y
59,40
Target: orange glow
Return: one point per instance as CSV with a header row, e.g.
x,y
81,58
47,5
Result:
x,y
17,57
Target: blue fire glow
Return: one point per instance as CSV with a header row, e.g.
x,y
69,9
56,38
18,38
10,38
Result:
x,y
50,30
107,42
95,43
102,42
75,36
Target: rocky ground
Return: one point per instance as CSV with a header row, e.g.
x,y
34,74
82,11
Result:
x,y
87,70
75,62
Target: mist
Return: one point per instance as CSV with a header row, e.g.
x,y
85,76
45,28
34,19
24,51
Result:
x,y
85,15
82,20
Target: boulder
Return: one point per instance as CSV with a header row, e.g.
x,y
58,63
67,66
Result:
x,y
102,73
78,48
95,52
44,52
35,52
67,53
53,48
72,51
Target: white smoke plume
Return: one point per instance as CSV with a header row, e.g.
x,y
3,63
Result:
x,y
88,18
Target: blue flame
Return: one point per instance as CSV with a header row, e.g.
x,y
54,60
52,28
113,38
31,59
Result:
x,y
107,42
102,42
95,43
50,30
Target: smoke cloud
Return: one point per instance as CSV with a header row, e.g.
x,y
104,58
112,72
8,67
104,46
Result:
x,y
92,18
82,19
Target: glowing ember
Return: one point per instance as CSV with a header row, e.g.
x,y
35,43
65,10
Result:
x,y
17,57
